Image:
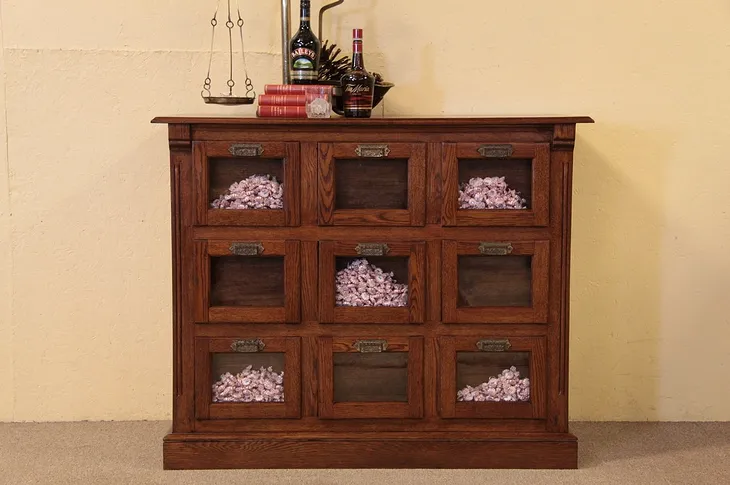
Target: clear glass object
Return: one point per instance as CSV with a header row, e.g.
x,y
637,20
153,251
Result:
x,y
318,102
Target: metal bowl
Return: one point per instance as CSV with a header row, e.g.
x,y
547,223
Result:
x,y
229,100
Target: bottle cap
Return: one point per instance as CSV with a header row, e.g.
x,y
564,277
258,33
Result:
x,y
357,34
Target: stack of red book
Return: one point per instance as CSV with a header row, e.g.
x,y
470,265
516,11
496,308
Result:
x,y
284,100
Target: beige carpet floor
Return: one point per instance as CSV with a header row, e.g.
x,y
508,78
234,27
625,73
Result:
x,y
131,453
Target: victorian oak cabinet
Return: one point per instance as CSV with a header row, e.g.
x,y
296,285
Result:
x,y
384,293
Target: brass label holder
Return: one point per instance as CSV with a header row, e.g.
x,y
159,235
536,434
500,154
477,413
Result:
x,y
371,346
372,151
500,345
372,249
251,346
496,151
495,249
246,150
246,249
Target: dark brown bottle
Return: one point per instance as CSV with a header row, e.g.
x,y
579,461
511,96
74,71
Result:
x,y
358,85
305,49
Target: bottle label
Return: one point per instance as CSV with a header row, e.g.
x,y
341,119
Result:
x,y
358,97
303,63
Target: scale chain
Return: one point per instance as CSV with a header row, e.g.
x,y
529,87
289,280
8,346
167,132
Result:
x,y
230,99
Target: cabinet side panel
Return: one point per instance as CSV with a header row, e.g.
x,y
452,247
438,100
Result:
x,y
181,184
561,168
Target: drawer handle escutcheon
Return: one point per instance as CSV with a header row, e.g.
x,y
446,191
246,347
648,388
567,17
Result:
x,y
246,150
496,151
371,346
494,345
246,249
372,249
495,249
372,151
248,346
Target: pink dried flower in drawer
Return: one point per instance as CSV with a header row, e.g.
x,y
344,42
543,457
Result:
x,y
254,192
506,387
363,284
489,193
263,385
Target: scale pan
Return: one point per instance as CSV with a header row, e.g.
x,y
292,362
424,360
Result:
x,y
229,100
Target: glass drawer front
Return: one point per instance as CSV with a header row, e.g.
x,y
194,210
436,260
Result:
x,y
378,377
495,377
365,184
254,184
367,282
251,282
495,282
244,281
496,184
371,184
247,378
371,377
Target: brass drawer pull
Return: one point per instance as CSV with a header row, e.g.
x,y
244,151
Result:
x,y
494,345
246,150
372,249
371,346
496,151
246,249
248,346
372,151
495,249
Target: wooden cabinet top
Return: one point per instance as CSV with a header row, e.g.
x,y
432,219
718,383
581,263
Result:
x,y
377,122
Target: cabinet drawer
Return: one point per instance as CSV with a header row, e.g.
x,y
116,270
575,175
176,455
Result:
x,y
248,281
251,378
372,282
365,184
219,165
472,195
495,281
492,377
370,377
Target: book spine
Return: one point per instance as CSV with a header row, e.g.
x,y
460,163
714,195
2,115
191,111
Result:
x,y
282,100
281,112
299,89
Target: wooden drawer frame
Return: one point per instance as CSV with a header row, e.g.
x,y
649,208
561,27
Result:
x,y
289,313
289,409
414,215
414,312
328,409
536,215
537,313
533,409
288,152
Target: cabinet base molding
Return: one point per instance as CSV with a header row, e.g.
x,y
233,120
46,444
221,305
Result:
x,y
196,452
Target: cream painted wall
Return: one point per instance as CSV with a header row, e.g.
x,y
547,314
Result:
x,y
6,344
85,332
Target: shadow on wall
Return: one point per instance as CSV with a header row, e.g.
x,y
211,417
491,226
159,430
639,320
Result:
x,y
618,220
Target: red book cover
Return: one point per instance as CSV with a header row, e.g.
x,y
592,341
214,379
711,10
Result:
x,y
281,112
292,88
282,100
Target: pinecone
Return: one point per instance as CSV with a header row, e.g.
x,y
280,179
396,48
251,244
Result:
x,y
332,68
